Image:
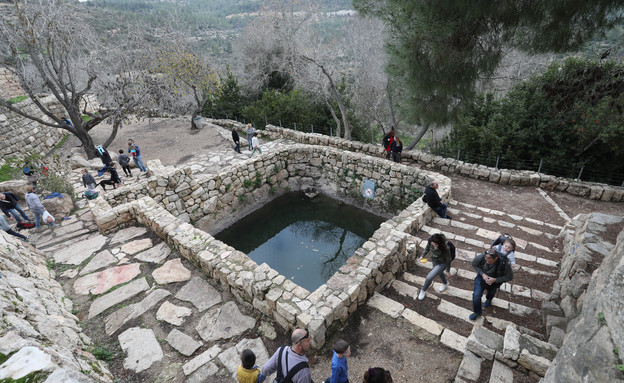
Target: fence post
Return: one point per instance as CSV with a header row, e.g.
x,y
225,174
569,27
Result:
x,y
295,126
312,126
458,152
280,122
498,159
244,122
622,186
540,166
580,173
331,133
265,121
226,116
211,116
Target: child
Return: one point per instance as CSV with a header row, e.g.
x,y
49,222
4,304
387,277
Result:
x,y
507,247
396,147
124,162
247,372
114,177
255,144
339,367
87,180
377,375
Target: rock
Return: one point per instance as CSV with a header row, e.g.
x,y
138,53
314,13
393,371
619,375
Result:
x,y
142,347
156,254
171,272
78,252
224,323
134,247
267,331
100,260
107,301
501,373
203,373
59,207
533,363
26,361
76,162
386,305
201,294
201,359
114,321
168,373
173,314
124,235
470,367
230,358
98,283
511,343
185,344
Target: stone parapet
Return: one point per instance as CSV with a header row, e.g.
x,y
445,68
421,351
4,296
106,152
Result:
x,y
583,189
163,202
39,336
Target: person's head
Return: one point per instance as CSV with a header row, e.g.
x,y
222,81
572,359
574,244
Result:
x,y
120,151
112,164
342,348
377,375
438,240
490,257
32,189
509,245
130,141
248,359
85,171
434,184
255,134
2,196
235,128
300,341
248,126
397,139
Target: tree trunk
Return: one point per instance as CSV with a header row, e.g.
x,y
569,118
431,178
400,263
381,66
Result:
x,y
333,113
420,135
87,143
113,134
193,116
395,124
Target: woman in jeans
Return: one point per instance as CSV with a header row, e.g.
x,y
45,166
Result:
x,y
441,259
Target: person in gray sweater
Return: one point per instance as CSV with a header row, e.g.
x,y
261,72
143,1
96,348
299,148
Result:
x,y
493,269
291,358
35,205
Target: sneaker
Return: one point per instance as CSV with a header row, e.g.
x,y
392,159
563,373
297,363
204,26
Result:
x,y
422,295
487,304
449,217
443,287
474,316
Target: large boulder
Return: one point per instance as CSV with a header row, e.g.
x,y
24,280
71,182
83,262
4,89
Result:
x,y
59,207
17,187
77,161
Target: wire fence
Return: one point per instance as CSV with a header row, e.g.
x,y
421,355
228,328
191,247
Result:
x,y
585,173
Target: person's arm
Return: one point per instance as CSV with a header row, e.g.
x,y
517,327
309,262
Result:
x,y
427,249
477,262
271,365
84,180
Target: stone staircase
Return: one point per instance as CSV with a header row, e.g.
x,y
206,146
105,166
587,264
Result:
x,y
508,343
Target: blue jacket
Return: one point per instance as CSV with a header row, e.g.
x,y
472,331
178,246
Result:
x,y
339,369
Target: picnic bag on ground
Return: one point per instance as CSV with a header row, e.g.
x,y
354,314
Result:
x,y
25,225
90,194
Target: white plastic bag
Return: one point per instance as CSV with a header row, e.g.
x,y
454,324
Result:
x,y
47,217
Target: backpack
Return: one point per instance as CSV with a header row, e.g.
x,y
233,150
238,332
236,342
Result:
x,y
88,194
450,246
501,239
27,170
291,373
385,141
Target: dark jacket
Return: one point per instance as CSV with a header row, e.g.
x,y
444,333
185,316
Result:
x,y
87,179
501,269
395,147
432,197
235,137
9,202
123,159
114,175
439,256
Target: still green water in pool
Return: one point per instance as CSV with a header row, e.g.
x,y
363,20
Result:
x,y
304,239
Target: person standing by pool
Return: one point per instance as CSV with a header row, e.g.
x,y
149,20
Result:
x,y
250,131
135,152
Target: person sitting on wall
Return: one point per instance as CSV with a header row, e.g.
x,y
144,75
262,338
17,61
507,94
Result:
x,y
432,198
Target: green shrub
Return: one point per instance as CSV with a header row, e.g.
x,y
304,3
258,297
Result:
x,y
16,100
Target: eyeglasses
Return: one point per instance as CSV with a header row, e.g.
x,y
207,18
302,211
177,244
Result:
x,y
307,335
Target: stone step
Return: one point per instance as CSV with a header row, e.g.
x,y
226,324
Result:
x,y
513,217
64,241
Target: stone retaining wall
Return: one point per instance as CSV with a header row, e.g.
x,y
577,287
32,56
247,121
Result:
x,y
589,190
585,312
9,84
39,336
370,269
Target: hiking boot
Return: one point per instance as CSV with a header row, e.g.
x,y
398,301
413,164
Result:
x,y
422,295
449,217
444,287
474,316
487,304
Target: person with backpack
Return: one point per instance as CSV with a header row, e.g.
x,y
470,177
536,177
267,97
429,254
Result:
x,y
124,162
104,155
291,362
9,205
506,245
493,269
387,143
441,257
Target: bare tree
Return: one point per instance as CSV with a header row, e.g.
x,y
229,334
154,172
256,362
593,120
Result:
x,y
54,52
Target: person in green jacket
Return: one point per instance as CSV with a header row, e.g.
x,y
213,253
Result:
x,y
441,258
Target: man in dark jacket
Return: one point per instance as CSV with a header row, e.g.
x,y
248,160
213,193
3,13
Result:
x,y
236,139
432,198
9,205
492,271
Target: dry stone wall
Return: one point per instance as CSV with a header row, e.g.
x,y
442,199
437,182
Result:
x,y
589,190
585,312
156,204
39,336
9,84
